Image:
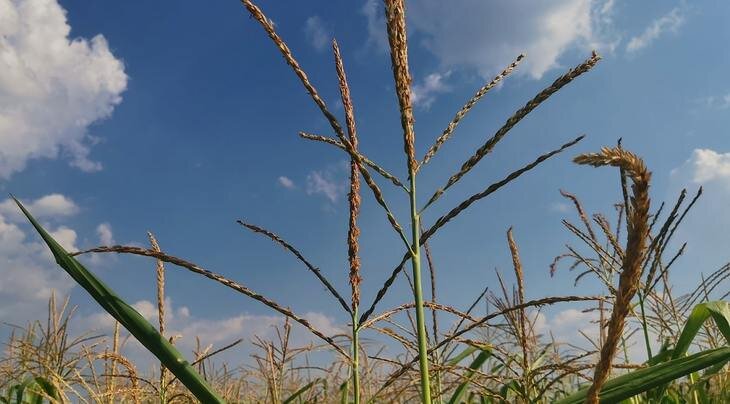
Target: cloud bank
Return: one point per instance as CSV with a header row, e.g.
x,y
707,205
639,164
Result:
x,y
52,87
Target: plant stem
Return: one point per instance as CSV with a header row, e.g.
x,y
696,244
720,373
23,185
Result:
x,y
355,357
437,379
418,294
644,327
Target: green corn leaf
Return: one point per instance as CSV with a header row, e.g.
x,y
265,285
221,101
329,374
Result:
x,y
303,390
719,311
460,357
344,390
509,386
47,388
639,381
128,317
475,365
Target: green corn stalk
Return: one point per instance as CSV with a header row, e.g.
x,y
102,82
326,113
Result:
x,y
355,357
128,317
418,293
344,388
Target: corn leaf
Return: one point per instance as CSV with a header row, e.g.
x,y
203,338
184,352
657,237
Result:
x,y
642,380
719,311
475,365
460,357
128,317
303,390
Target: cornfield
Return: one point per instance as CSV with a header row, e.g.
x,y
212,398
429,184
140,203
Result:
x,y
500,357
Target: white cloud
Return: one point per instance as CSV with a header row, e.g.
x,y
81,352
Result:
x,y
65,237
320,183
716,102
51,87
104,231
328,182
286,182
566,325
29,273
214,331
49,206
316,33
669,22
706,166
424,93
377,38
486,36
560,207
705,227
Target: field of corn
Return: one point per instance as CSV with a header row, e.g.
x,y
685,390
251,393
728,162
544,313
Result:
x,y
447,354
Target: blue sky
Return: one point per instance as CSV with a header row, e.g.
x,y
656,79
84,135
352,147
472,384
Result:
x,y
121,117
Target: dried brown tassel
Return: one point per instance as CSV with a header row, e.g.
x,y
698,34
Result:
x,y
517,264
353,231
638,221
396,21
160,304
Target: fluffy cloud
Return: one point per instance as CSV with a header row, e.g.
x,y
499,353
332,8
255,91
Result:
x,y
51,87
705,227
565,326
669,22
319,182
216,332
28,273
49,206
486,36
706,166
316,33
424,94
377,38
716,101
330,182
286,182
104,231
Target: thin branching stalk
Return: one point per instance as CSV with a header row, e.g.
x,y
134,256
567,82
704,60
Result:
x,y
220,279
479,323
276,238
465,110
334,142
443,220
268,26
559,83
